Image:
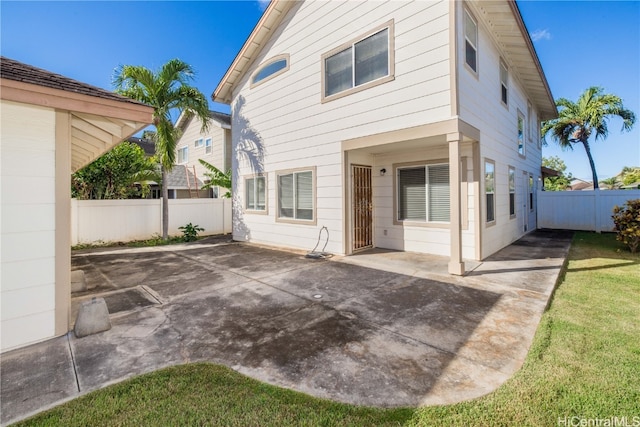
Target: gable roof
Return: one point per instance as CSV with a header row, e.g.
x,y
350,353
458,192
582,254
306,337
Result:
x,y
98,119
18,71
505,21
223,119
263,30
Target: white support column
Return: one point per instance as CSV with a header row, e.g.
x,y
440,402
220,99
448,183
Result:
x,y
456,266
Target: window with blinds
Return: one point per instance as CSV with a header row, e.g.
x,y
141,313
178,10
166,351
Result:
x,y
255,190
295,195
423,193
357,63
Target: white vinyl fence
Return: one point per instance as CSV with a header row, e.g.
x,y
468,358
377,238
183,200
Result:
x,y
581,210
94,221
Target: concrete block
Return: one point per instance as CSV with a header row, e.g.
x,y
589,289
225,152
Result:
x,y
93,317
78,281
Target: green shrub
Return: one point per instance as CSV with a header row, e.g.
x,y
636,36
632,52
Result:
x,y
627,221
190,232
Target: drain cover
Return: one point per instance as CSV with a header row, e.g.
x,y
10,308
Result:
x,y
317,296
127,300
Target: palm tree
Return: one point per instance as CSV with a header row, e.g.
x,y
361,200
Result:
x,y
168,91
217,178
576,122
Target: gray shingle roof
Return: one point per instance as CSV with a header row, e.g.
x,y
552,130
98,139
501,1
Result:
x,y
14,70
149,147
221,117
177,178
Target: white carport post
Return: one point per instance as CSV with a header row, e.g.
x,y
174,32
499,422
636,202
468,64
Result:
x,y
456,266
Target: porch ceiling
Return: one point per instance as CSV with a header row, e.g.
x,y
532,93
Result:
x,y
510,33
405,146
93,135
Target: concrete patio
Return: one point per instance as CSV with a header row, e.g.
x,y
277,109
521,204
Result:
x,y
378,328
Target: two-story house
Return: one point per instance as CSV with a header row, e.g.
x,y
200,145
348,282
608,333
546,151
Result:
x,y
213,146
406,125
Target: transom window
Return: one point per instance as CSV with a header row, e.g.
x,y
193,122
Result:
x,y
423,193
183,154
504,84
354,65
272,68
256,194
521,146
207,146
470,41
199,142
296,195
490,190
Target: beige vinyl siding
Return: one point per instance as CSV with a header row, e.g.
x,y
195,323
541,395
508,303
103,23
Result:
x,y
217,155
481,106
298,131
27,200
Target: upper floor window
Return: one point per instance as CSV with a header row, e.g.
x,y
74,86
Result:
x,y
272,68
207,146
199,142
521,147
183,154
504,84
359,64
470,41
529,122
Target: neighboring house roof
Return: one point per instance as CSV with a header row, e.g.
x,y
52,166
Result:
x,y
14,70
634,186
578,184
98,119
223,119
148,146
545,171
503,16
177,178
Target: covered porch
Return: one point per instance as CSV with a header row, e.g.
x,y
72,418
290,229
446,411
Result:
x,y
415,190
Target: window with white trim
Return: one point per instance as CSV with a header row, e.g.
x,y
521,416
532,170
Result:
x,y
521,146
423,193
256,193
504,83
207,146
470,41
366,60
490,190
199,143
296,195
183,154
512,192
529,122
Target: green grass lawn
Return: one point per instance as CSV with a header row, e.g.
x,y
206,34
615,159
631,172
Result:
x,y
584,362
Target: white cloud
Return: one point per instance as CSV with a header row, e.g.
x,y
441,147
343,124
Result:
x,y
541,35
262,4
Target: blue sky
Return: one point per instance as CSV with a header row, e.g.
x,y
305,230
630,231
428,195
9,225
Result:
x,y
579,43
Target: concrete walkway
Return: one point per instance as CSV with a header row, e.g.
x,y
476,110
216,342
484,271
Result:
x,y
379,328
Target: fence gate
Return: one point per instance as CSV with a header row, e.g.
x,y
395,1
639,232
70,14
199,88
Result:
x,y
362,208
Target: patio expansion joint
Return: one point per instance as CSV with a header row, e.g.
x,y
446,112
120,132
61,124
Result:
x,y
73,361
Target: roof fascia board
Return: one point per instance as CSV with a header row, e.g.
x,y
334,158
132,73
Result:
x,y
269,21
29,93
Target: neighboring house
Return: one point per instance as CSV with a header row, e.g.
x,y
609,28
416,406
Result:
x,y
406,125
580,185
50,127
181,180
213,146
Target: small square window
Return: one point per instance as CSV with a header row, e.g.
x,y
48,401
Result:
x,y
296,196
256,193
199,142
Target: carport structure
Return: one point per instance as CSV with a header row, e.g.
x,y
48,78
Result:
x,y
51,126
